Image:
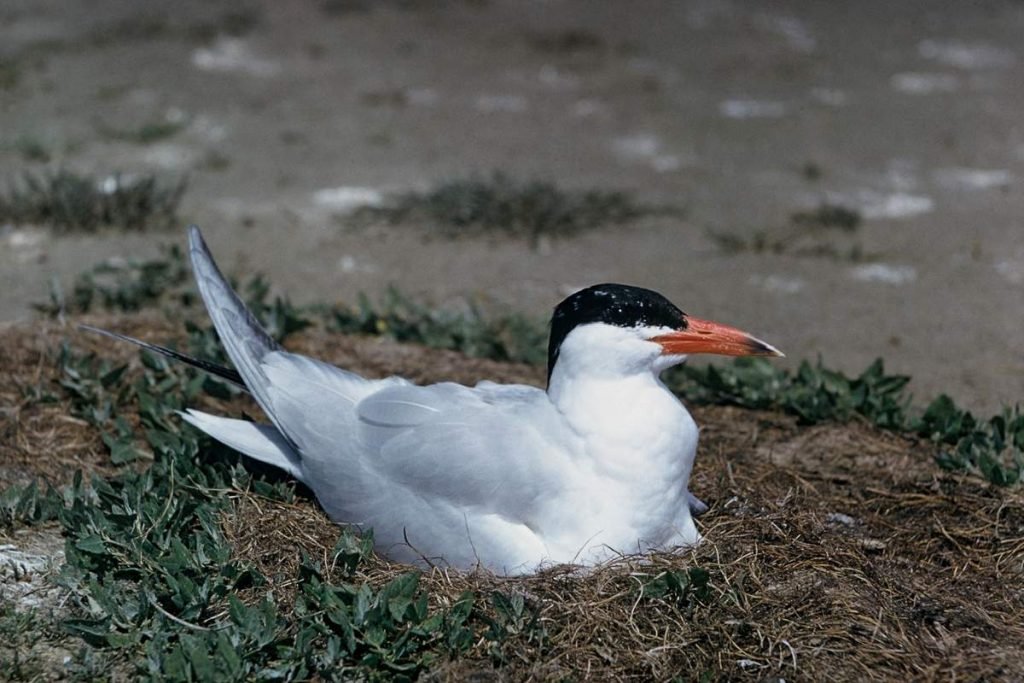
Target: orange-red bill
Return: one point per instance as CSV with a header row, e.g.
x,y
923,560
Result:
x,y
704,336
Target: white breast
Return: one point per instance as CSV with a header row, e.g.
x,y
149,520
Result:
x,y
636,448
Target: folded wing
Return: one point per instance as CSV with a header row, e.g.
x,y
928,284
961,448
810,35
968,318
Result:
x,y
462,445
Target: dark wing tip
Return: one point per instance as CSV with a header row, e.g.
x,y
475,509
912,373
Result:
x,y
206,366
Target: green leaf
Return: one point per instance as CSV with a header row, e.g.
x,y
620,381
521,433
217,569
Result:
x,y
91,544
93,631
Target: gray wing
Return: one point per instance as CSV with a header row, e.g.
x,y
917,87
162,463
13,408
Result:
x,y
489,448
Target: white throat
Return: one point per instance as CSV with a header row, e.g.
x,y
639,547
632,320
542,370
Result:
x,y
606,386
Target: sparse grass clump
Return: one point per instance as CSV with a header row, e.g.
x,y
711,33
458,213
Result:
x,y
238,20
31,148
814,233
125,286
146,133
70,202
501,206
829,216
567,42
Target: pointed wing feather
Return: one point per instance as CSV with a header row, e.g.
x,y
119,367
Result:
x,y
245,340
204,365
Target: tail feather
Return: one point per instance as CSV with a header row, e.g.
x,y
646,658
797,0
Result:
x,y
262,442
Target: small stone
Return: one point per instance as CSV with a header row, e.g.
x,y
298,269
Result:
x,y
840,518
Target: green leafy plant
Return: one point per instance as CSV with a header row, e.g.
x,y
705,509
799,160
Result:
x,y
814,393
513,621
68,202
684,589
507,338
994,446
30,504
125,286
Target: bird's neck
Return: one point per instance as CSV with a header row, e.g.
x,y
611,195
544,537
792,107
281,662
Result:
x,y
626,419
570,390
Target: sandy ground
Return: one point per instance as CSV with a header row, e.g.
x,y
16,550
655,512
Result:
x,y
739,112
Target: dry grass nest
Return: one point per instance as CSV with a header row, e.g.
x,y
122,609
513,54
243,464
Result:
x,y
836,552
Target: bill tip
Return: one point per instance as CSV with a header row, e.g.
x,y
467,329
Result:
x,y
766,349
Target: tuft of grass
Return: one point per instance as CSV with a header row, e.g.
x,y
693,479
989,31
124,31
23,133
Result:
x,y
500,205
829,216
70,202
812,171
809,233
31,148
237,21
147,133
567,42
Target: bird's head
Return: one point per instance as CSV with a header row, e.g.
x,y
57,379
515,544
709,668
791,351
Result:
x,y
615,329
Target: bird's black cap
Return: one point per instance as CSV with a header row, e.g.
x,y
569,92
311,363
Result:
x,y
621,305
